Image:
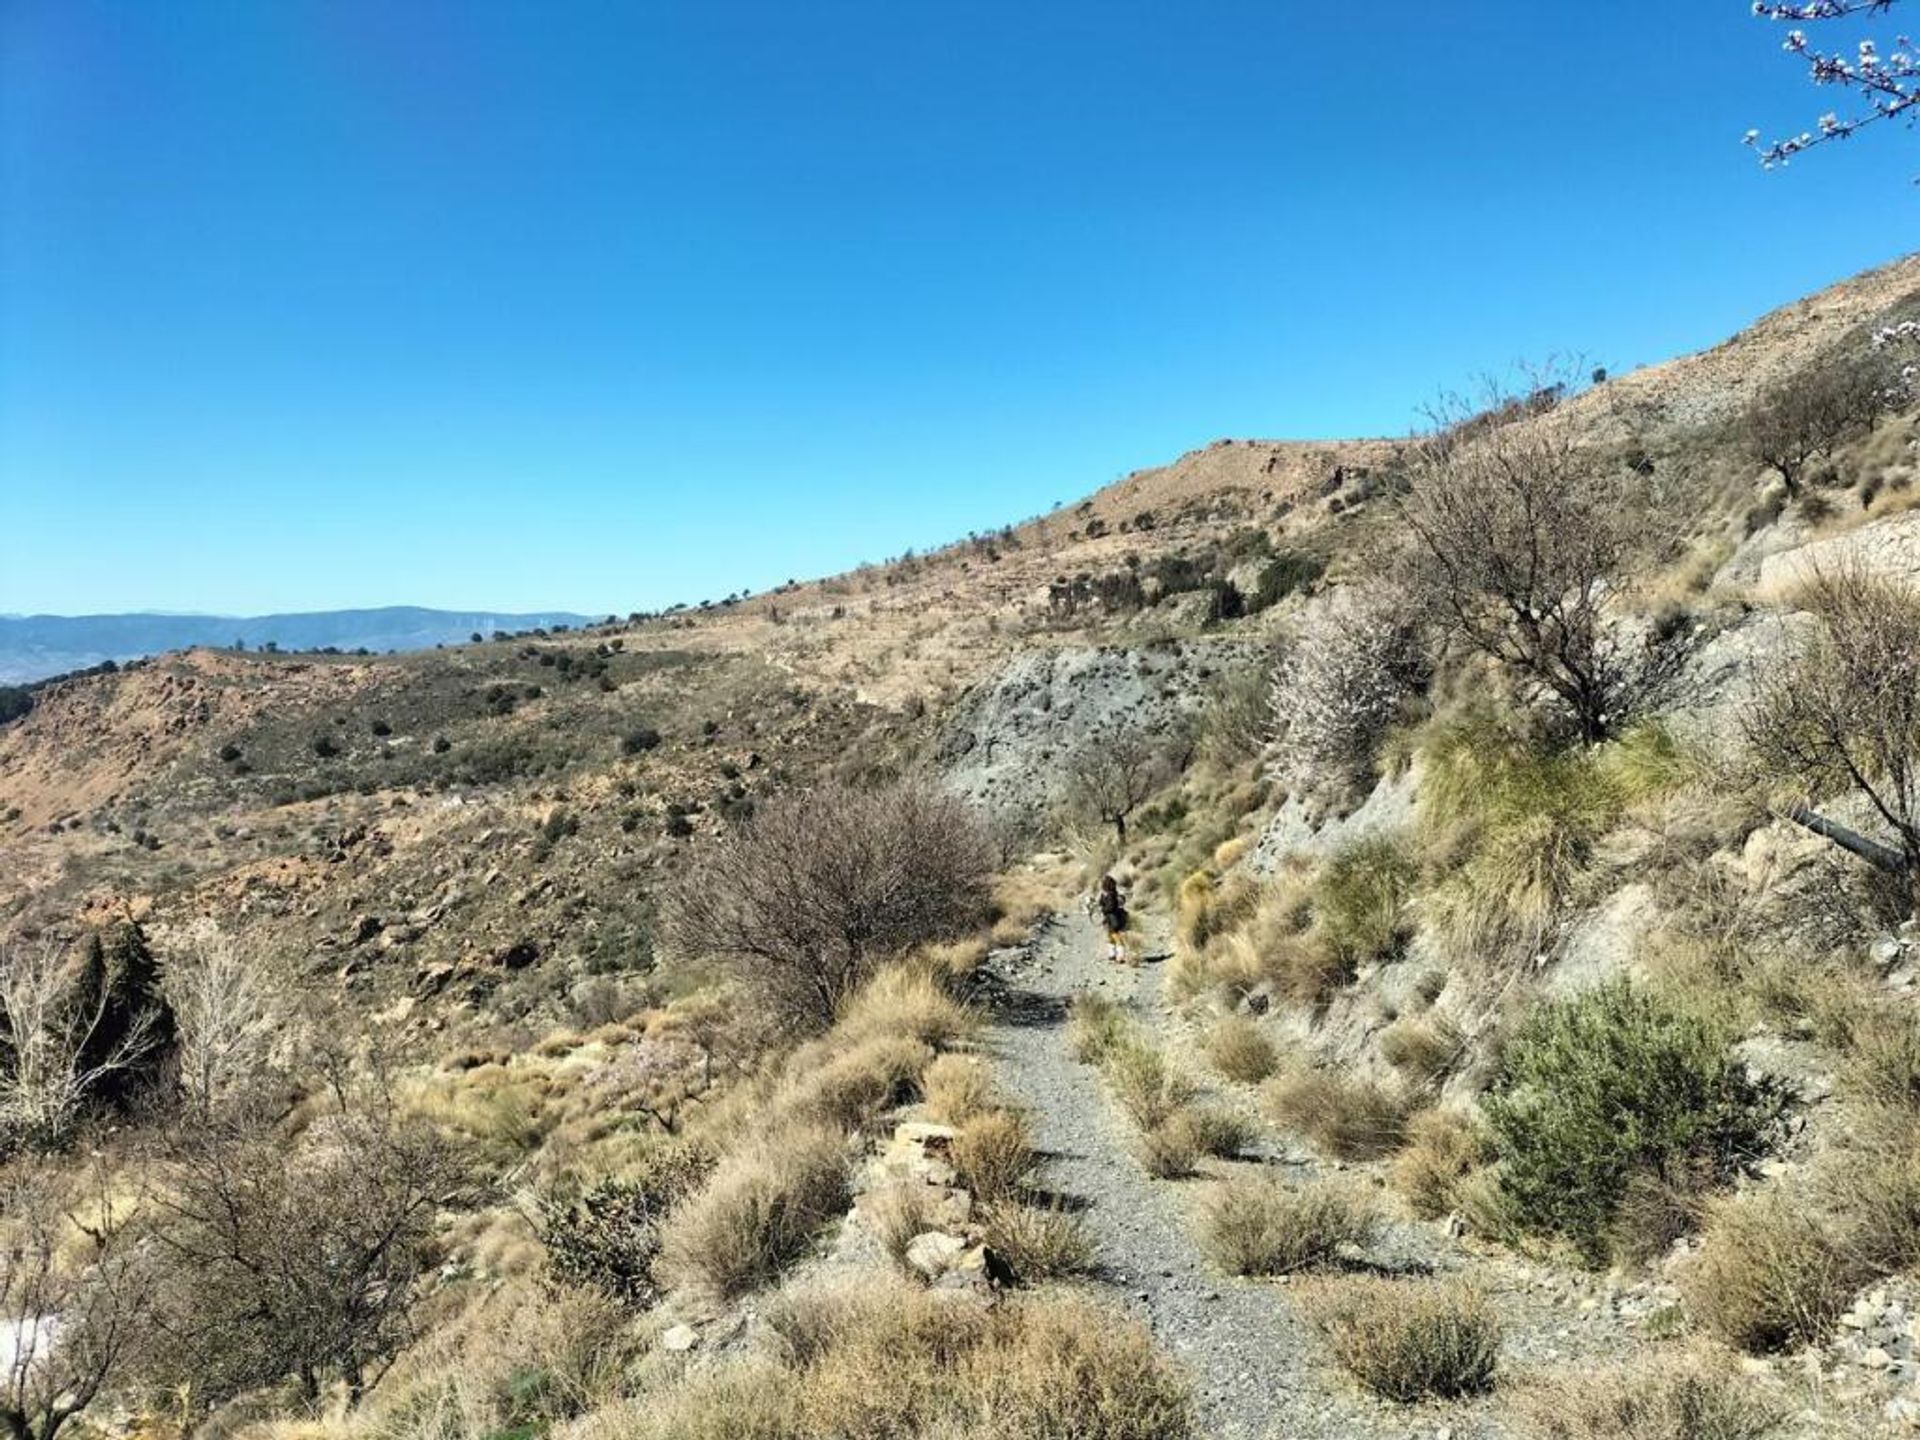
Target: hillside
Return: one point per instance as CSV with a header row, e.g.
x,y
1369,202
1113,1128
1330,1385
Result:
x,y
1484,1058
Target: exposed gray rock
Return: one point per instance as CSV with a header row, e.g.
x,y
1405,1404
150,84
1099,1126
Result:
x,y
1719,680
1009,741
1297,828
1603,942
1888,548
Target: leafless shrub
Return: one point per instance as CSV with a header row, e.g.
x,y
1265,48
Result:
x,y
1843,711
1520,540
1113,775
806,901
299,1255
74,1317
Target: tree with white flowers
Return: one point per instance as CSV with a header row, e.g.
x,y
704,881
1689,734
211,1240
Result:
x,y
1881,84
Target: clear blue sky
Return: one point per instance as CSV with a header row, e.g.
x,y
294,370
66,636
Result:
x,y
603,305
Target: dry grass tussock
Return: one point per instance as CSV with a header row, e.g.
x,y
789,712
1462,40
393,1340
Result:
x,y
1407,1340
1260,1225
762,1210
993,1155
1683,1397
1348,1117
1040,1241
882,1362
1240,1050
957,1088
853,1089
470,1378
1443,1148
910,1000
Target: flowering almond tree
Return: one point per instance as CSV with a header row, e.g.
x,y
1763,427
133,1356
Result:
x,y
1883,86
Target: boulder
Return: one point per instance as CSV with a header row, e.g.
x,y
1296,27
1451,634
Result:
x,y
934,1252
1889,548
680,1339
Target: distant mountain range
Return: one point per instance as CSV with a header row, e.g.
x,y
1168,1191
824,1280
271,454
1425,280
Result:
x,y
35,646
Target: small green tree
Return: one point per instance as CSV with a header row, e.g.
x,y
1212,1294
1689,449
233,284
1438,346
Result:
x,y
1611,1085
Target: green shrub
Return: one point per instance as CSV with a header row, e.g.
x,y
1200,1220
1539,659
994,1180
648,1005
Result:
x,y
1359,901
1612,1084
608,1236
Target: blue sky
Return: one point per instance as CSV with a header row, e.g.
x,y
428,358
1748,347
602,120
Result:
x,y
602,306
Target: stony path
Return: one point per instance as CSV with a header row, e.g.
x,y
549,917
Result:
x,y
1253,1366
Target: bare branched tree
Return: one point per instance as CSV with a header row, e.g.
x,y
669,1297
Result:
x,y
1520,540
229,1016
1809,415
1114,774
1842,713
62,1040
75,1297
805,901
302,1255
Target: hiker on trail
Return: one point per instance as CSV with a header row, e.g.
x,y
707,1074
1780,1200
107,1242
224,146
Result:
x,y
1113,914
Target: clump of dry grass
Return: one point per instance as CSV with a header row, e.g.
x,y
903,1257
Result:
x,y
1773,1272
852,1089
1259,1225
1040,1242
1095,1025
1423,1048
1240,1051
908,1001
993,1155
957,1088
1170,1149
1354,1119
761,1211
1665,1398
899,1213
1408,1340
868,1362
1147,1087
1443,1147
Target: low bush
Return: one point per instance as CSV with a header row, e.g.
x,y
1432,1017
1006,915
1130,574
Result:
x,y
1259,1225
608,1235
1240,1051
1666,1398
1351,1118
759,1213
1610,1084
1408,1340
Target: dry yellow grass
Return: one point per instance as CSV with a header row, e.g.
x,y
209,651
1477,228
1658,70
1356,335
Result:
x,y
957,1088
1240,1050
993,1155
1260,1225
884,1362
1667,1397
1443,1147
1407,1340
1353,1119
761,1211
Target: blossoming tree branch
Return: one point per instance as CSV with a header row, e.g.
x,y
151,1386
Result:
x,y
1884,86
